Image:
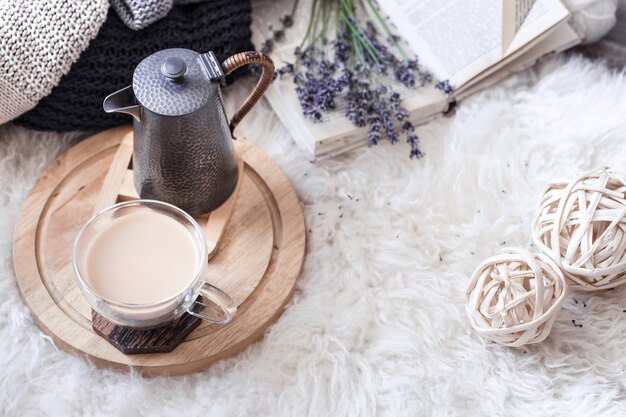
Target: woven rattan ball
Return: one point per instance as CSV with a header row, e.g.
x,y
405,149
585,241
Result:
x,y
581,225
513,297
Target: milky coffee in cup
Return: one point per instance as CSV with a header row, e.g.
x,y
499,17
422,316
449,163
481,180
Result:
x,y
140,258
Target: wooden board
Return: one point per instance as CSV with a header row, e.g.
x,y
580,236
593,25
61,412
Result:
x,y
257,263
118,186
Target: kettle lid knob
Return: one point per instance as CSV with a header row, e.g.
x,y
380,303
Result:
x,y
174,68
172,82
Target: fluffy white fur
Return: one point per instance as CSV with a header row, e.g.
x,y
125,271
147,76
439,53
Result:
x,y
377,326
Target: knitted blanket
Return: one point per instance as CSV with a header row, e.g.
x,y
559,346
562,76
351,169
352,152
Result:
x,y
107,65
39,41
139,14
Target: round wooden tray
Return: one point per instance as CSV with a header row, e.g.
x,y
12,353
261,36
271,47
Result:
x,y
257,262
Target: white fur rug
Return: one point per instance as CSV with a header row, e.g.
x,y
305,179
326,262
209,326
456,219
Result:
x,y
377,326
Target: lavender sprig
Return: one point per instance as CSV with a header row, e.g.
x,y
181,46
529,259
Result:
x,y
353,69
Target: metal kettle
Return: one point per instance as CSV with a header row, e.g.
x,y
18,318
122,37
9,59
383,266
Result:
x,y
183,152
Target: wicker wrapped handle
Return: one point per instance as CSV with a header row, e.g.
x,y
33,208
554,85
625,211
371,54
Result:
x,y
267,74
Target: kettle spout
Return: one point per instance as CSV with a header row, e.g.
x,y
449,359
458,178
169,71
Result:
x,y
122,101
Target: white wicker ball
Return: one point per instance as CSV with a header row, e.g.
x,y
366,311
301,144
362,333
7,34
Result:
x,y
513,297
581,225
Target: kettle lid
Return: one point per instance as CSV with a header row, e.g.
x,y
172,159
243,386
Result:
x,y
176,82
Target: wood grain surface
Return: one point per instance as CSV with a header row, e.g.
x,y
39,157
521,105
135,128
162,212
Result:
x,y
258,261
134,341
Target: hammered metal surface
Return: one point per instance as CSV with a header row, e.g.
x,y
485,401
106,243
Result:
x,y
183,151
187,161
160,95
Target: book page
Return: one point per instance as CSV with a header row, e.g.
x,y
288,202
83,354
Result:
x,y
458,39
336,131
510,59
560,39
514,13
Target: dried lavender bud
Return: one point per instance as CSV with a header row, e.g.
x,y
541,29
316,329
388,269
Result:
x,y
407,127
317,87
404,75
353,74
267,47
279,35
342,49
284,70
425,78
287,21
413,140
401,114
444,86
372,138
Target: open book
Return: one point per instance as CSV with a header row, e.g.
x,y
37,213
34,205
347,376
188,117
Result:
x,y
472,44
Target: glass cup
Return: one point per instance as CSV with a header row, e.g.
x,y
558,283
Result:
x,y
145,316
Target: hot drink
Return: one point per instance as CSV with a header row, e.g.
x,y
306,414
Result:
x,y
143,263
143,257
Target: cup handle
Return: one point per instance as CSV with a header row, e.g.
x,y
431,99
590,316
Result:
x,y
267,74
227,307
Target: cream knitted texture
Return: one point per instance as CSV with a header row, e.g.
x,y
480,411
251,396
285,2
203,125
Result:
x,y
139,14
39,41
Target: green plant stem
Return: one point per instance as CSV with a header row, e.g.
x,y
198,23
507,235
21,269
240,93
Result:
x,y
358,40
361,47
294,8
312,23
367,44
383,24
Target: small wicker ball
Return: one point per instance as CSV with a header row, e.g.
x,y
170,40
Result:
x,y
513,298
581,225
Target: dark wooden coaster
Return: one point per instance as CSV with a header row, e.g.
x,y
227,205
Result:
x,y
132,341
